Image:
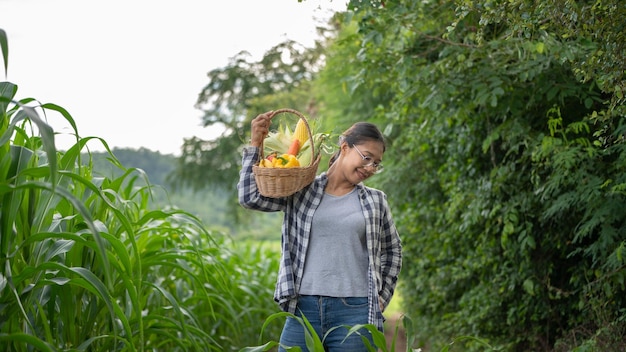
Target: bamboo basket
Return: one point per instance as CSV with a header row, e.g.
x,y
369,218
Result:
x,y
283,182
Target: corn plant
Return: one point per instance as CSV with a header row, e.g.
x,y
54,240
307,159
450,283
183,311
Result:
x,y
87,264
84,263
314,342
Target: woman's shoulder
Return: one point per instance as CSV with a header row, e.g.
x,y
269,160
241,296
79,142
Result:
x,y
371,191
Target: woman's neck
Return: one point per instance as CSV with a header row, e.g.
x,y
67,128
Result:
x,y
336,185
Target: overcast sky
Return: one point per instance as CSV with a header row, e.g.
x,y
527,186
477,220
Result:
x,y
129,71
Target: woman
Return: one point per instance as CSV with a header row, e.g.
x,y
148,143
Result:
x,y
341,253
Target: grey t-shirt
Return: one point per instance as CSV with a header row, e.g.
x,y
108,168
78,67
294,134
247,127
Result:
x,y
336,260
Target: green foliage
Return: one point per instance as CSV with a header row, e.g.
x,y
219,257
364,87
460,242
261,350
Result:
x,y
511,143
315,343
596,27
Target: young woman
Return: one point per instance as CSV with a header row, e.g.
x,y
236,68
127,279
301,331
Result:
x,y
341,253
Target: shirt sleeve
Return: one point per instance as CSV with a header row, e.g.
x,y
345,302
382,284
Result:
x,y
249,196
391,255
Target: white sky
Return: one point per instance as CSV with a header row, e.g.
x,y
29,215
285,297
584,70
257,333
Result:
x,y
129,71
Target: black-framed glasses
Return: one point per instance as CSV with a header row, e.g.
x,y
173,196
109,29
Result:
x,y
367,161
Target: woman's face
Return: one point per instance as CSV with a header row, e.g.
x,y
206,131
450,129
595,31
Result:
x,y
353,160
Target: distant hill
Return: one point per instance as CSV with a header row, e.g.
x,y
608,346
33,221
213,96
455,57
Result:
x,y
153,163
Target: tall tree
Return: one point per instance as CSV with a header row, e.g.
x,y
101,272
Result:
x,y
233,96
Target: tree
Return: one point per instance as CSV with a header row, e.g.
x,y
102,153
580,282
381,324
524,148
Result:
x,y
234,95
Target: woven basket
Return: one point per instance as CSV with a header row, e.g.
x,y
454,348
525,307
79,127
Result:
x,y
283,182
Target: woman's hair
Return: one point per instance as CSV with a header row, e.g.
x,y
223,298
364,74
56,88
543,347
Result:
x,y
357,134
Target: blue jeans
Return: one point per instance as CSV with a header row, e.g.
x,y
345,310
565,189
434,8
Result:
x,y
325,313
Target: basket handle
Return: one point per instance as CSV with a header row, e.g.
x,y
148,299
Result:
x,y
306,123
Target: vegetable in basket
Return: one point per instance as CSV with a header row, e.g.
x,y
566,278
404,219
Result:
x,y
297,143
286,161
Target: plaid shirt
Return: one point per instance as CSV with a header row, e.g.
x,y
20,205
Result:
x,y
383,243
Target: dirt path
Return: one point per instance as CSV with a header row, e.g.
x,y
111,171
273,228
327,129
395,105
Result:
x,y
390,329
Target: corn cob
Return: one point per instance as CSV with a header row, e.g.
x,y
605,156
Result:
x,y
301,132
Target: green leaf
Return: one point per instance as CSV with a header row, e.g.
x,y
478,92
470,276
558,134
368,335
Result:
x,y
618,92
28,339
266,347
529,287
4,45
540,47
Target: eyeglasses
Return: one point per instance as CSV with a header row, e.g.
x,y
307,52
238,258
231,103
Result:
x,y
368,162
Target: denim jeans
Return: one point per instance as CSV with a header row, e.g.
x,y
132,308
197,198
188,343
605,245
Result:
x,y
324,313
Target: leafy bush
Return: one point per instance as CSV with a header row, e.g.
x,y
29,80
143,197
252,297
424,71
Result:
x,y
506,122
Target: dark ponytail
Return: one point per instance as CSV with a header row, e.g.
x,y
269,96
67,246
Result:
x,y
358,133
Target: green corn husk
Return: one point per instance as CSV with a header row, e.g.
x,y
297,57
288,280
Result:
x,y
305,155
278,141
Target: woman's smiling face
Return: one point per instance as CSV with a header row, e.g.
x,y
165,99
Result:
x,y
355,157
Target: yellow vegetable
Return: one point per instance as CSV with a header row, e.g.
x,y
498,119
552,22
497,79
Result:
x,y
286,160
301,133
268,161
265,163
